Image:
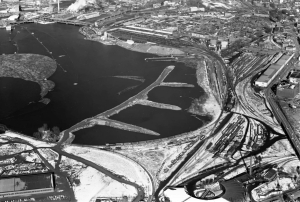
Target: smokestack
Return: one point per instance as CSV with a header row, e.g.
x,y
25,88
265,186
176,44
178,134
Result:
x,y
58,6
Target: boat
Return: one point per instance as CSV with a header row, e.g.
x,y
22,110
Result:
x,y
75,84
61,56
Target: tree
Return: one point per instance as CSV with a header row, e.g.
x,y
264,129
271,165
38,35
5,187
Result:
x,y
45,126
56,130
55,133
272,5
37,135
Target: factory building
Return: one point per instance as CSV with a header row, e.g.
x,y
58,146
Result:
x,y
273,70
287,90
26,185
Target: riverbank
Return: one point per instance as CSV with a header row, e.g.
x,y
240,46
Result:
x,y
30,67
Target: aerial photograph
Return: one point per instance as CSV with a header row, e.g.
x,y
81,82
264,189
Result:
x,y
150,100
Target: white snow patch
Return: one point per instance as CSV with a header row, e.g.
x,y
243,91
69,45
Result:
x,y
90,184
34,142
94,184
114,162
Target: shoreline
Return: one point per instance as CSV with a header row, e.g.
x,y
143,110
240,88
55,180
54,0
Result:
x,y
209,106
150,48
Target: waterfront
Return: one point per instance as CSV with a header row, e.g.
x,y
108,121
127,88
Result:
x,y
93,67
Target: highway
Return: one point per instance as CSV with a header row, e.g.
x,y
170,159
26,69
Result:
x,y
277,110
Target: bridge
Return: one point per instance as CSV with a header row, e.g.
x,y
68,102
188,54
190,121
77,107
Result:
x,y
22,22
68,22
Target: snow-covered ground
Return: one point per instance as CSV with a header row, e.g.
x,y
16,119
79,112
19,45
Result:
x,y
33,141
113,188
212,107
114,162
94,184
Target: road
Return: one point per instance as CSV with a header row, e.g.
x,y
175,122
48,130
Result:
x,y
279,115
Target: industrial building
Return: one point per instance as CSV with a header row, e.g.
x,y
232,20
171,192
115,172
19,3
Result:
x,y
146,31
26,185
295,76
273,70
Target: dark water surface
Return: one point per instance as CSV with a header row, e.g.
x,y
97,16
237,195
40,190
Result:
x,y
92,65
15,94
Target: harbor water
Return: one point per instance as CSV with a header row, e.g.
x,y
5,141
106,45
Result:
x,y
92,78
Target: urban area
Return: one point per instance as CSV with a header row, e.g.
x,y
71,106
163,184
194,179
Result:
x,y
246,56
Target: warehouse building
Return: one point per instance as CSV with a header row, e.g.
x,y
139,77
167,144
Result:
x,y
26,185
287,90
295,76
146,31
273,70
